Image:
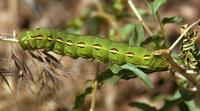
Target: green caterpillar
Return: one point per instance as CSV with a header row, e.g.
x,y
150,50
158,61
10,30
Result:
x,y
105,50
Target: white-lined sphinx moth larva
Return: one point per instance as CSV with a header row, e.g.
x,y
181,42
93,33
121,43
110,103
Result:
x,y
91,47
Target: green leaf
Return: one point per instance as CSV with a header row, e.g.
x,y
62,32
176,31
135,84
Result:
x,y
143,12
187,97
177,57
118,5
182,106
114,68
192,105
171,101
142,106
79,100
138,36
174,19
156,5
75,23
113,80
118,73
169,104
95,24
183,99
154,42
106,75
112,34
126,30
139,73
114,74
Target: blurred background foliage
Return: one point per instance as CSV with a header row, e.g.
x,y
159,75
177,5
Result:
x,y
23,89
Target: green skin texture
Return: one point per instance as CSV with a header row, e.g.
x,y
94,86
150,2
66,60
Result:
x,y
84,46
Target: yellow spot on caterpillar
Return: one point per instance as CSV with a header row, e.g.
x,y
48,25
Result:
x,y
130,54
114,50
49,39
39,38
59,40
97,46
147,57
81,44
69,42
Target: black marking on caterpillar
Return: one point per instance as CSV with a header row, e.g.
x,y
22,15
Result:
x,y
114,50
97,46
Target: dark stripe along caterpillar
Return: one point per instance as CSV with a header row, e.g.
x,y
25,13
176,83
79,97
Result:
x,y
105,50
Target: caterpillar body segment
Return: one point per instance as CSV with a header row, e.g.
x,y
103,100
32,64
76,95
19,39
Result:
x,y
75,45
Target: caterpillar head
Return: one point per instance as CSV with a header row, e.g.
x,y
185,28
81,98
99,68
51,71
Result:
x,y
34,39
26,41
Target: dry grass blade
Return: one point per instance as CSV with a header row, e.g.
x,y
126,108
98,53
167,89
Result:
x,y
48,85
50,61
51,72
24,74
49,77
6,81
35,56
22,66
2,70
7,37
50,57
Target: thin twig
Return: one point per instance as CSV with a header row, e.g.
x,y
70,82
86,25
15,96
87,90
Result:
x,y
139,17
166,54
161,25
9,40
181,36
7,37
92,107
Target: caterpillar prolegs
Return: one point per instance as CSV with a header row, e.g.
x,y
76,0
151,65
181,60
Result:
x,y
75,45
